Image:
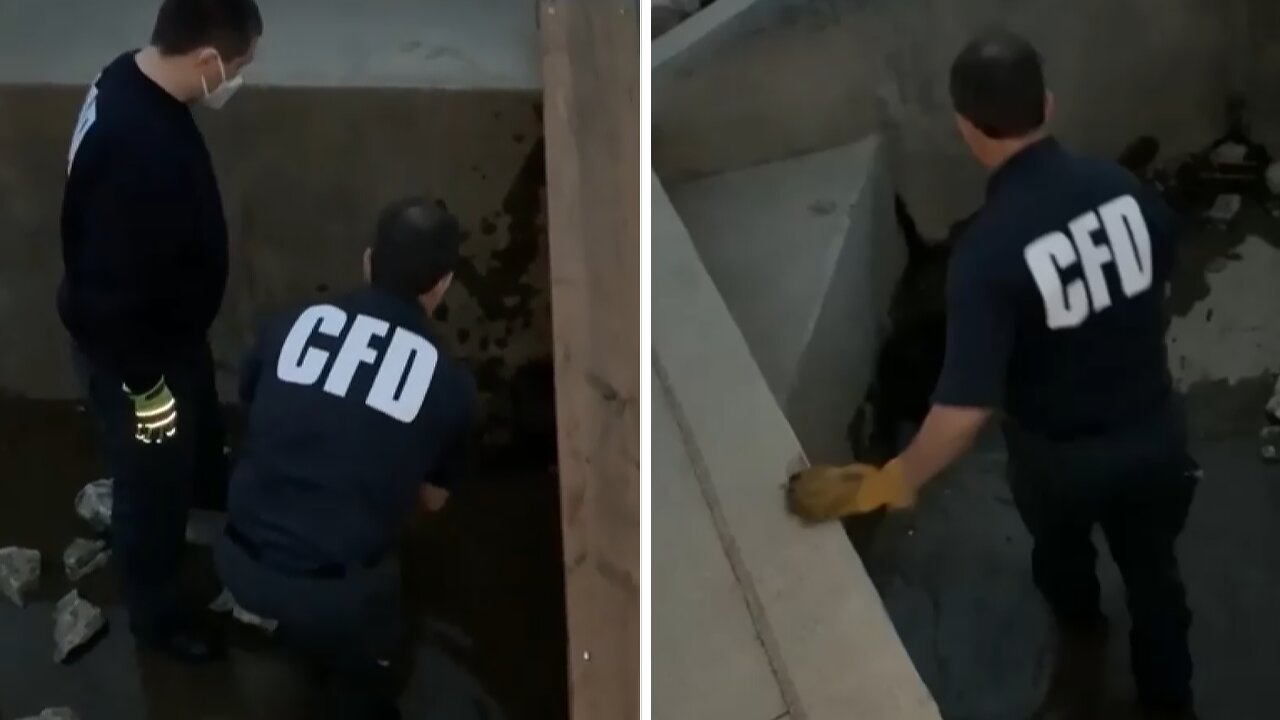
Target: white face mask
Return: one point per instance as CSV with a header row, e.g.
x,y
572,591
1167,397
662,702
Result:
x,y
219,96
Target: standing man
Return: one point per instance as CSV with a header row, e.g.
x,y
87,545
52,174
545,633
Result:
x,y
1055,316
356,418
144,247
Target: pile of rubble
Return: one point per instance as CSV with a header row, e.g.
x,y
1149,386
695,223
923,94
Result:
x,y
78,623
1211,183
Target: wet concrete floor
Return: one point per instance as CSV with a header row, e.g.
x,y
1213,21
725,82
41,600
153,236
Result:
x,y
484,578
956,580
955,575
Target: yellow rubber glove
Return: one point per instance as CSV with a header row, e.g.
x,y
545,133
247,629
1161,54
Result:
x,y
827,493
155,413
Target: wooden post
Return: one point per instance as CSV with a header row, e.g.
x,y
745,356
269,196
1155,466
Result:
x,y
591,74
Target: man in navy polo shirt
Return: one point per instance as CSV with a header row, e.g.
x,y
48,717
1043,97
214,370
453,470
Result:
x,y
357,417
144,246
1056,319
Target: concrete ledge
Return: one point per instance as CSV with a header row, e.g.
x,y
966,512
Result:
x,y
698,34
833,650
805,253
436,44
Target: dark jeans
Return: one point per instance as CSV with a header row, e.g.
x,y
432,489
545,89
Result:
x,y
154,483
1138,486
349,633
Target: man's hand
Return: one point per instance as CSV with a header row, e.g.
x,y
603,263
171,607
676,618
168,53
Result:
x,y
155,413
828,493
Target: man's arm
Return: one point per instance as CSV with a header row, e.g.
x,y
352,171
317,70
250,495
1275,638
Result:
x,y
455,465
139,221
947,433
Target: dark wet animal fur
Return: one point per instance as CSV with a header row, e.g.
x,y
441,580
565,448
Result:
x,y
911,356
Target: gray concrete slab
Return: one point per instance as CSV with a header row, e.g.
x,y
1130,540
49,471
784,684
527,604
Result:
x,y
788,77
805,253
956,579
713,666
826,631
442,44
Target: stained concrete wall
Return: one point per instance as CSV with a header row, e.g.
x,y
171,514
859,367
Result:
x,y
785,77
303,175
805,253
458,44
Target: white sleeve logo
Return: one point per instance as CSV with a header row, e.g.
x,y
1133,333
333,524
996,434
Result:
x,y
1068,304
88,113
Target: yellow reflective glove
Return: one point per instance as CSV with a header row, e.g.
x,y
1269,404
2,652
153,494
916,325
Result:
x,y
828,493
155,413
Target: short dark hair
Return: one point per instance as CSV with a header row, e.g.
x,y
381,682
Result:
x,y
997,83
229,26
417,245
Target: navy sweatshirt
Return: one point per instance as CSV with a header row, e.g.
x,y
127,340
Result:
x,y
144,241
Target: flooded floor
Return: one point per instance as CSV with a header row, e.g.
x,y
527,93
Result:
x,y
484,578
955,576
956,580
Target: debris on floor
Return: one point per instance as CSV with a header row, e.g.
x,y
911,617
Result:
x,y
58,713
83,556
1224,208
19,573
1270,437
225,603
93,504
76,622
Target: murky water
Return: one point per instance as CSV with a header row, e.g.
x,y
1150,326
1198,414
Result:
x,y
484,579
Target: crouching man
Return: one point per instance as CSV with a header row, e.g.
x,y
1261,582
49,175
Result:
x,y
356,419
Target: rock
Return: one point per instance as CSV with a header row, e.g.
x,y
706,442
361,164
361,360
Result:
x,y
93,504
226,602
1270,437
1229,153
76,622
59,713
1224,208
19,573
84,556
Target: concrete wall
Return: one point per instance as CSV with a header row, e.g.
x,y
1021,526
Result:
x,y
784,77
805,253
303,175
460,44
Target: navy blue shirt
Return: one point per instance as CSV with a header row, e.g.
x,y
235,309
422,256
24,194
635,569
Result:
x,y
144,241
1055,297
352,407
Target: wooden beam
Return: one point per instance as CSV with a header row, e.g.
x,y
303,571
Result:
x,y
591,75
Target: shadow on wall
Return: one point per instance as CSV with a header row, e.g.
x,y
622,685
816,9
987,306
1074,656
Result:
x,y
304,172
